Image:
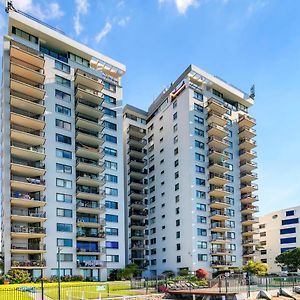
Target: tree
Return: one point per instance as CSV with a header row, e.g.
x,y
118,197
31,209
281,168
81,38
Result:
x,y
255,268
18,276
202,274
168,273
289,259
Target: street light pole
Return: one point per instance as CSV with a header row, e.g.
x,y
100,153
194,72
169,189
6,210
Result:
x,y
58,270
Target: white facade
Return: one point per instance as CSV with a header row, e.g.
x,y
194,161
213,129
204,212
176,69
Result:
x,y
62,161
279,231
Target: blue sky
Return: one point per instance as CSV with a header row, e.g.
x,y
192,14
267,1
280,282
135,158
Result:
x,y
242,41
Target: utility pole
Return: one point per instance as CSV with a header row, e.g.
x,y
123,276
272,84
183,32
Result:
x,y
58,270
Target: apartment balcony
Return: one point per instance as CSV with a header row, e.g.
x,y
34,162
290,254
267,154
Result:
x,y
247,155
216,106
139,245
25,70
90,222
26,54
214,130
85,236
218,239
247,166
25,232
249,220
91,251
34,122
33,105
137,143
137,204
217,167
27,136
27,216
217,179
87,94
27,200
28,264
249,209
89,207
248,198
87,165
247,133
136,194
250,253
249,231
136,163
27,248
91,264
89,80
217,143
91,153
137,224
219,203
88,124
89,179
215,154
136,174
89,109
137,214
135,153
247,188
247,144
136,132
220,251
27,152
250,242
27,87
218,192
27,168
219,227
219,215
89,193
247,121
137,235
136,184
248,177
216,118
88,138
29,185
220,264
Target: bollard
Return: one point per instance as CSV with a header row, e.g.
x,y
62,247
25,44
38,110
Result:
x,y
82,295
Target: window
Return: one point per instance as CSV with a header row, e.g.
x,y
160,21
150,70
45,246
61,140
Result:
x,y
198,120
79,60
64,242
263,252
178,259
112,258
198,96
176,186
63,198
61,212
288,230
177,198
111,218
63,139
111,191
64,183
201,232
288,240
110,151
111,231
178,247
54,54
175,128
201,245
199,144
109,112
111,204
200,169
110,138
199,157
201,219
200,181
200,194
177,222
109,86
199,132
108,99
111,165
111,178
176,174
62,95
231,235
176,163
201,206
290,213
177,210
63,124
60,168
63,110
290,221
202,257
175,140
198,107
63,81
177,234
64,227
110,125
62,67
24,35
174,116
286,249
176,151
263,234
65,257
63,153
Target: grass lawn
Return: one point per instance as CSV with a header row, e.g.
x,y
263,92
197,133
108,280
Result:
x,y
74,289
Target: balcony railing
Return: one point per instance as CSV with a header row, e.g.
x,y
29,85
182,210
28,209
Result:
x,y
28,180
27,114
89,161
90,204
221,200
252,185
38,149
216,126
250,218
26,81
37,214
218,163
100,221
245,162
221,263
28,263
25,229
249,195
28,130
99,234
250,207
219,213
91,264
89,190
25,196
217,139
35,164
22,246
244,151
247,140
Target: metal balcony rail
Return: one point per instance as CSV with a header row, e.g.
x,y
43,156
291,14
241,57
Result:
x,y
215,138
28,180
90,176
90,204
247,140
88,132
221,200
27,130
243,151
26,229
25,196
138,245
136,181
135,128
218,238
248,173
26,97
36,214
26,81
214,150
88,75
30,50
246,117
244,128
33,246
100,221
90,104
131,170
216,101
220,250
220,188
91,249
37,164
137,234
219,163
91,264
142,141
28,147
246,162
85,189
88,118
132,202
249,252
249,206
219,213
218,225
220,263
253,185
28,263
88,90
216,175
249,195
141,224
99,234
214,113
213,125
250,241
137,213
250,218
88,161
132,191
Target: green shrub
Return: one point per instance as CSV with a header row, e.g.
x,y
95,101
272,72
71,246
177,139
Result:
x,y
18,276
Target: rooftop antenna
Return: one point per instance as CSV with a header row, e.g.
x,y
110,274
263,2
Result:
x,y
9,5
252,92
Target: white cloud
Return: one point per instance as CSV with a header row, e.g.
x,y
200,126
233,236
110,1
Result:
x,y
123,21
46,12
104,32
82,7
181,5
255,6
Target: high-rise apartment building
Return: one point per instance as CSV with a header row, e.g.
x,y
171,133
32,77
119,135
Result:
x,y
199,188
279,232
62,153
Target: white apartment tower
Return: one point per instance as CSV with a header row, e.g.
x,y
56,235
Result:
x,y
62,154
199,186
